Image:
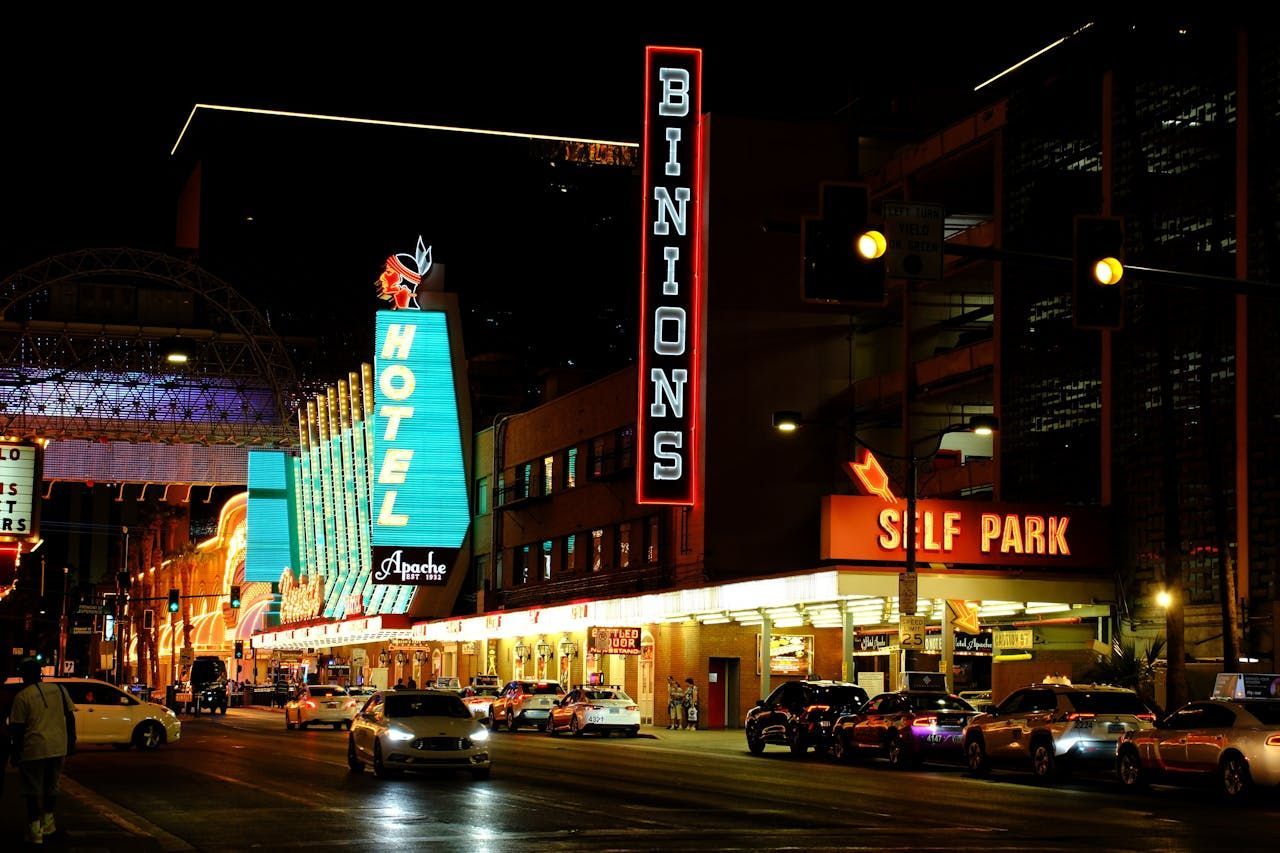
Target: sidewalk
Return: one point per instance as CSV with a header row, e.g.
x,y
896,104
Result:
x,y
81,825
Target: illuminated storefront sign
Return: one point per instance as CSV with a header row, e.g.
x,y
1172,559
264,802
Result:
x,y
614,641
419,500
789,654
271,516
670,289
402,274
19,479
965,532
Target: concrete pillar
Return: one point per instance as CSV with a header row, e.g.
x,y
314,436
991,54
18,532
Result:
x,y
846,645
766,640
948,646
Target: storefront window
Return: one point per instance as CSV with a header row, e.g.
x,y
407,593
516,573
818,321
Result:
x,y
546,560
571,468
597,550
624,545
548,474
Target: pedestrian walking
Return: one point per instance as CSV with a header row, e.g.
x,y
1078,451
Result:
x,y
690,705
675,702
42,727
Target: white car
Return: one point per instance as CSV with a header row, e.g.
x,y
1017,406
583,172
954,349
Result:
x,y
325,704
595,709
106,714
524,703
479,698
401,730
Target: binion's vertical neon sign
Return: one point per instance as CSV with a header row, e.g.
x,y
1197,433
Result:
x,y
670,287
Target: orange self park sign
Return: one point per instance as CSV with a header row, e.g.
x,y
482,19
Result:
x,y
871,529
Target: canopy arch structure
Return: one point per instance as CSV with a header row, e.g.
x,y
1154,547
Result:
x,y
111,379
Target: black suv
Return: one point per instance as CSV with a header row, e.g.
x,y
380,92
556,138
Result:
x,y
209,683
801,714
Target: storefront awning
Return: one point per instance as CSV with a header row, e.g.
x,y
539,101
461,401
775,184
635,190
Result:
x,y
817,598
348,632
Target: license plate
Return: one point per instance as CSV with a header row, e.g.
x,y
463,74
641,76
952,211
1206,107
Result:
x,y
1116,728
613,711
936,738
535,713
1084,724
331,704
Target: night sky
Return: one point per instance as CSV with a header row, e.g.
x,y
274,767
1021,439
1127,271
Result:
x,y
94,106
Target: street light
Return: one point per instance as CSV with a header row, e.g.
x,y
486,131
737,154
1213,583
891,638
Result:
x,y
1164,599
175,350
786,421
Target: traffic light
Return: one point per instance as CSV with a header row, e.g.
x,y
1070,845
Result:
x,y
239,649
173,601
235,597
1097,272
843,251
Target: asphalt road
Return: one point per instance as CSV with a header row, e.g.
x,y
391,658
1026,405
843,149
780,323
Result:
x,y
243,782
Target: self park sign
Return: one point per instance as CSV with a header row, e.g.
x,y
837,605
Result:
x,y
980,533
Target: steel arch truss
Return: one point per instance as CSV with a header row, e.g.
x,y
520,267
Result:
x,y
112,382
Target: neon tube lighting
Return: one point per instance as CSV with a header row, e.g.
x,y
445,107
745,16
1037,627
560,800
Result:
x,y
1041,52
544,137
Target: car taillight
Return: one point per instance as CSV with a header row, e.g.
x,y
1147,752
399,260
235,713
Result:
x,y
595,707
1078,716
1274,740
1150,718
633,707
925,721
817,709
310,704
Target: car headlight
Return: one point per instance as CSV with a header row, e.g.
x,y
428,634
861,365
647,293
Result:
x,y
399,735
480,735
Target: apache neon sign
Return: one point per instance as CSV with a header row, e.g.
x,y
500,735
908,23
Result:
x,y
670,287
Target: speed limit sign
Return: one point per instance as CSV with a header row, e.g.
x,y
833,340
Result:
x,y
911,632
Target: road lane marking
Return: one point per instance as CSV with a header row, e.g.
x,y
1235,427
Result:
x,y
127,820
309,802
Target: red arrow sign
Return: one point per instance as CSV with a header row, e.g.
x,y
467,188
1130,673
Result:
x,y
870,477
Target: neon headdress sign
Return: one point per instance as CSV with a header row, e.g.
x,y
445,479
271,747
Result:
x,y
399,281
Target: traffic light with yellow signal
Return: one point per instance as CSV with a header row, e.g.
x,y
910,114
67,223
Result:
x,y
843,250
1097,272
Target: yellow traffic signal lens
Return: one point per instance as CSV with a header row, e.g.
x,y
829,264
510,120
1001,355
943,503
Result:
x,y
1108,271
871,245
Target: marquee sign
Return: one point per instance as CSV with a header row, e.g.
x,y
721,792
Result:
x,y
670,289
419,499
614,641
19,480
966,532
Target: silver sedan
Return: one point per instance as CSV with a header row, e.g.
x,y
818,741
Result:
x,y
400,730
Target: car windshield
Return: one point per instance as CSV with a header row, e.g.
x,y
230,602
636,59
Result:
x,y
1107,702
607,694
840,695
1268,713
484,691
541,689
937,702
327,691
426,706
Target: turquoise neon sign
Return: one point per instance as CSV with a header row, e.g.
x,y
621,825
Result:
x,y
419,505
271,520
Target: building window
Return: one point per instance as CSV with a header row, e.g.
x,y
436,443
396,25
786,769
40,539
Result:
x,y
653,540
524,474
626,447
497,570
597,457
571,468
520,568
482,496
624,545
597,549
480,571
570,553
548,474
546,559
500,497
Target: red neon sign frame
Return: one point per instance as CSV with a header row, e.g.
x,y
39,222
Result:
x,y
656,480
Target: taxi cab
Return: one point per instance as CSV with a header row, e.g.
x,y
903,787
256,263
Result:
x,y
593,708
1232,739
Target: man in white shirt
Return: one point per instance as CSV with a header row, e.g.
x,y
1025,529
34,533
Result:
x,y
38,727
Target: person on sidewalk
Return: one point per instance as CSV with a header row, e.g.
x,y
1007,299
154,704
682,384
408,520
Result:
x,y
690,705
675,702
43,731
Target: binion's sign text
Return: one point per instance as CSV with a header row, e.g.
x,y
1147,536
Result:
x,y
670,289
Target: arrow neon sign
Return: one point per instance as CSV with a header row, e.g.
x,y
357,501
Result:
x,y
870,477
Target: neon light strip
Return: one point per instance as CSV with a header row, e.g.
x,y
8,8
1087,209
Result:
x,y
479,131
1041,52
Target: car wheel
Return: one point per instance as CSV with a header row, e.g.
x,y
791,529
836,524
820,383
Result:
x,y
754,744
337,726
797,745
493,723
897,752
1130,770
512,726
379,769
552,730
975,753
303,725
634,731
354,763
347,725
288,724
148,736
573,727
1044,763
839,749
1234,778
480,773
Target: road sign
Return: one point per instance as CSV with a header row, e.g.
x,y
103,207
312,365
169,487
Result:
x,y
187,656
911,632
914,234
91,609
68,667
908,586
